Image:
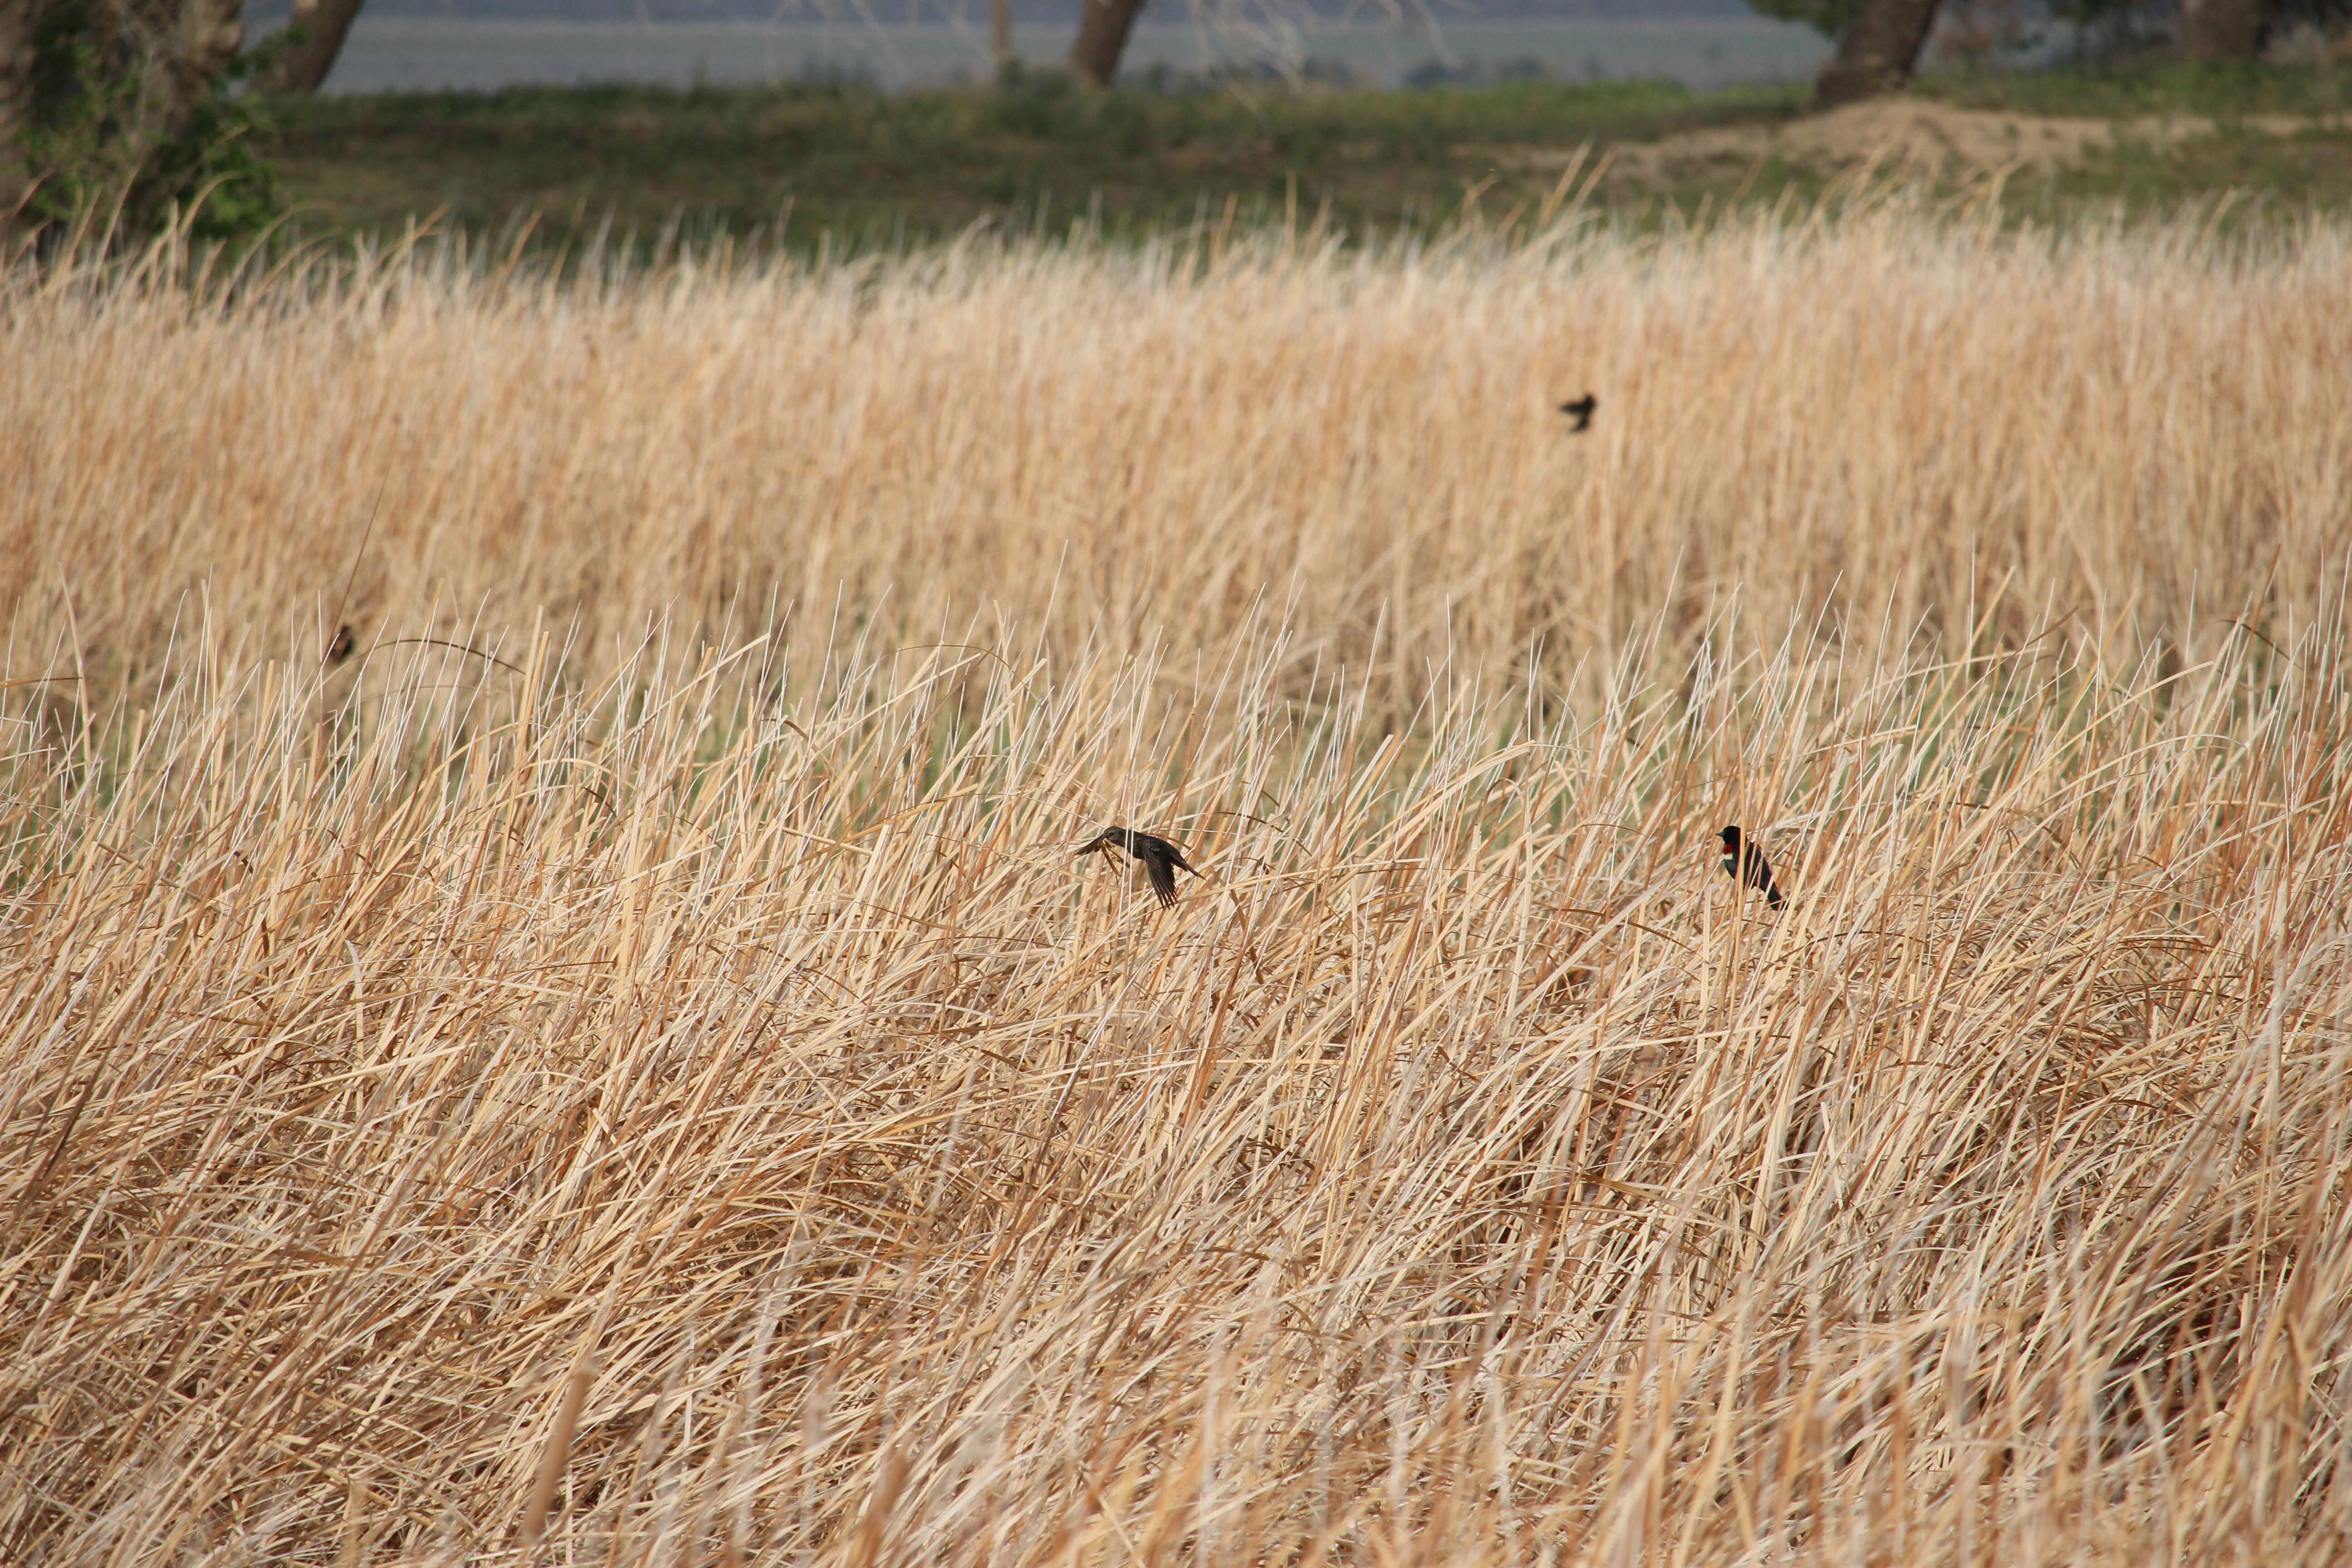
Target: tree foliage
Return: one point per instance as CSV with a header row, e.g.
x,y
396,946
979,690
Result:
x,y
1831,17
1828,16
128,119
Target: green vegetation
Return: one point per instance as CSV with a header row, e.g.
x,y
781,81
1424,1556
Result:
x,y
2252,149
868,168
112,150
2228,90
873,165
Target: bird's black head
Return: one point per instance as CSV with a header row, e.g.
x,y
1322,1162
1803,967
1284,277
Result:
x,y
1730,837
1114,840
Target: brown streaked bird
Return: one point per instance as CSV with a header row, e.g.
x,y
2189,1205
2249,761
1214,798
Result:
x,y
341,648
1159,857
1582,411
1746,863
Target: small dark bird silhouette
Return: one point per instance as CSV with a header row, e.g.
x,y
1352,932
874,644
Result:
x,y
1747,863
1582,411
341,648
1159,857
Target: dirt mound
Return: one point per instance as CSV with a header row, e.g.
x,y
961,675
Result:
x,y
1909,135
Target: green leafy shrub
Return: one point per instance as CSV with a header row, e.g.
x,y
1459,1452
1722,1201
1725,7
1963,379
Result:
x,y
110,159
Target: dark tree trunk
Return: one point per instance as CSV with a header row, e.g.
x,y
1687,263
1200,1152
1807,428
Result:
x,y
171,52
1876,52
1103,27
302,65
2224,29
15,111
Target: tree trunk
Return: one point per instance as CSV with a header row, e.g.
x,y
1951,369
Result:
x,y
1876,53
1103,27
303,65
15,112
2224,29
148,64
187,44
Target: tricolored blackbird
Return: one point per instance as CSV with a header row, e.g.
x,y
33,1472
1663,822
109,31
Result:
x,y
1159,857
1745,861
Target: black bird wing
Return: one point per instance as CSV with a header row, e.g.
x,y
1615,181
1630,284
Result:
x,y
1757,872
1159,857
1160,862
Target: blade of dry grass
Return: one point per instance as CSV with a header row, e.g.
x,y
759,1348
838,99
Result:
x,y
666,1091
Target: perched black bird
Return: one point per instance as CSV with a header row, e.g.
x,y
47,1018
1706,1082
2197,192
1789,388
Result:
x,y
1582,411
1159,857
341,648
1746,862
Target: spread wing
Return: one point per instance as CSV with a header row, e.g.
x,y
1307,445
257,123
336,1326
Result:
x,y
1162,871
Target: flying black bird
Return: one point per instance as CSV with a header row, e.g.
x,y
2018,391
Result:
x,y
341,648
1159,857
1582,411
1746,862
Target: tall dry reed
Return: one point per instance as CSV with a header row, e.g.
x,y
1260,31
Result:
x,y
1882,418
648,1086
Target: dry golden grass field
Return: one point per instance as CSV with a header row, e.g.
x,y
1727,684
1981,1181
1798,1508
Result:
x,y
623,1066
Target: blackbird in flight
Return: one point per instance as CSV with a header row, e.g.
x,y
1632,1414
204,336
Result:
x,y
1582,411
1747,863
1159,857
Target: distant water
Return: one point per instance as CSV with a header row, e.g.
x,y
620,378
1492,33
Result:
x,y
397,54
